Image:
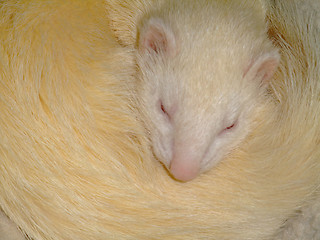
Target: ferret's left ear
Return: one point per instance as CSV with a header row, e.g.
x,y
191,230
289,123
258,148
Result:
x,y
157,37
263,68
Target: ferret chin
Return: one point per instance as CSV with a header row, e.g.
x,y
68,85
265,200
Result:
x,y
203,70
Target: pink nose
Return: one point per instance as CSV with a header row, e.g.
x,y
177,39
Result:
x,y
184,170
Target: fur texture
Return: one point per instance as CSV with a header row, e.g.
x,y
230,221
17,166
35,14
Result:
x,y
203,69
123,16
74,161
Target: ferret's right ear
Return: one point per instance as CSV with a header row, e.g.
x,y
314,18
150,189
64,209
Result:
x,y
157,37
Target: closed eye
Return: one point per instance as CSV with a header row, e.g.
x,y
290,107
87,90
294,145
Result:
x,y
229,128
167,111
163,110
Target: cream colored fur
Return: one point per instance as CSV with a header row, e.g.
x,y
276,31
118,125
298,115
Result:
x,y
74,156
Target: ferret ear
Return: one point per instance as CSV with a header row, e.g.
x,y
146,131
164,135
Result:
x,y
157,37
263,68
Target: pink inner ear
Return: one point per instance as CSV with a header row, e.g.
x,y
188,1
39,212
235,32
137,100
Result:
x,y
263,68
158,37
155,40
267,69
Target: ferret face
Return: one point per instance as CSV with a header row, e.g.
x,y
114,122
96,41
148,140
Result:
x,y
199,101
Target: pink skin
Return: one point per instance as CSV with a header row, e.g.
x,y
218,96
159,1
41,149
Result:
x,y
184,168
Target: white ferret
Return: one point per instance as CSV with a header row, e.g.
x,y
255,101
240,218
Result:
x,y
75,163
204,67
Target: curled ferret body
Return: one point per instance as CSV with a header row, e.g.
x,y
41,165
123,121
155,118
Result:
x,y
72,164
203,68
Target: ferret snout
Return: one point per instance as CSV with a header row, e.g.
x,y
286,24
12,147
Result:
x,y
182,171
184,166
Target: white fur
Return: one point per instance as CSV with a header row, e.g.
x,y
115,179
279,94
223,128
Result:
x,y
204,81
74,157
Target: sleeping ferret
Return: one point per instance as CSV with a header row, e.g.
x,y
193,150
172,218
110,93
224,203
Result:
x,y
203,70
75,163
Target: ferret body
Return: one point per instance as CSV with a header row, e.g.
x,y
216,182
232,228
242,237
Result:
x,y
204,67
75,163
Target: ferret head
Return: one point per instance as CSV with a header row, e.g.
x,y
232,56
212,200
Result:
x,y
199,87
